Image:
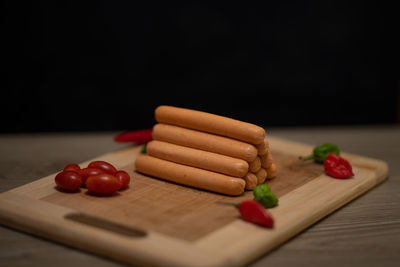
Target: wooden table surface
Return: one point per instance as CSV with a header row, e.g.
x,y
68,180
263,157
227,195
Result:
x,y
365,232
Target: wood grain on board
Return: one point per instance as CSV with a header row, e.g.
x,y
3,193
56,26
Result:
x,y
176,210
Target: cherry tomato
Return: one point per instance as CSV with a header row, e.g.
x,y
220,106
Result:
x,y
72,167
99,164
86,172
123,177
103,184
68,181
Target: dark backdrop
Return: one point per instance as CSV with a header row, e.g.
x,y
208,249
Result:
x,y
105,65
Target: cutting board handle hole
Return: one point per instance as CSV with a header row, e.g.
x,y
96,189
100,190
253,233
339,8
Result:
x,y
105,225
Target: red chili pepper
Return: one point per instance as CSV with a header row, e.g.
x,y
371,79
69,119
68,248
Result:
x,y
138,136
337,167
254,212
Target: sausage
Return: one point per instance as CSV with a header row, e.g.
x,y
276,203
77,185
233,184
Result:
x,y
261,175
263,147
198,158
204,141
190,176
210,123
255,165
251,181
271,171
266,160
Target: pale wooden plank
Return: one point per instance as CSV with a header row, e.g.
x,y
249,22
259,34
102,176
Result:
x,y
296,149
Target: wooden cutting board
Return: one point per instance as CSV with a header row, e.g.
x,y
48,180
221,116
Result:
x,y
155,222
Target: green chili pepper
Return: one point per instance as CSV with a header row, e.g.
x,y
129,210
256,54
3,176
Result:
x,y
263,195
321,152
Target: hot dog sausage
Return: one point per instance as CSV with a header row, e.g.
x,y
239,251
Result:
x,y
266,160
211,123
251,180
198,158
204,141
190,176
263,147
255,165
261,175
271,171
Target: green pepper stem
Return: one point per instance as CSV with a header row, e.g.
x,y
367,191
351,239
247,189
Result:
x,y
307,158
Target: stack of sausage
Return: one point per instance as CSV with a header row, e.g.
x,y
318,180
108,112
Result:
x,y
207,151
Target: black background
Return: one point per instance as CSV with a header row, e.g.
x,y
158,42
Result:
x,y
105,65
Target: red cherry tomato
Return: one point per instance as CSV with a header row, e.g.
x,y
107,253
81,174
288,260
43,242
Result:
x,y
68,181
103,184
107,167
72,167
123,177
86,172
